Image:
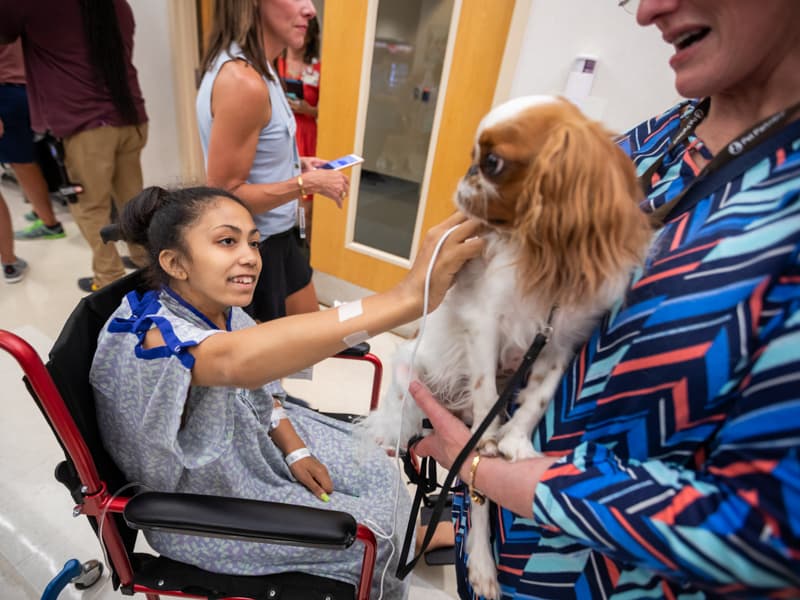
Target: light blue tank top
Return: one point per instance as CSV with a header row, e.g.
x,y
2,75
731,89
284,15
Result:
x,y
276,156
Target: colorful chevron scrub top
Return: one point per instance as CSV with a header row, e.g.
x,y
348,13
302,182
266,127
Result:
x,y
172,436
679,421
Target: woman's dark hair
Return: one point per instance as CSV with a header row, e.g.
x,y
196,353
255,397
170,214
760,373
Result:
x,y
237,21
311,49
107,54
157,219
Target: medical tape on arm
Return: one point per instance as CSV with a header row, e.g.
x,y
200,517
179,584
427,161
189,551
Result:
x,y
278,414
348,311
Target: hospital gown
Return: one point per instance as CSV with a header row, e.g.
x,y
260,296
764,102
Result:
x,y
171,436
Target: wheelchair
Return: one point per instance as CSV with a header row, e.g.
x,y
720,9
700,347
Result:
x,y
63,393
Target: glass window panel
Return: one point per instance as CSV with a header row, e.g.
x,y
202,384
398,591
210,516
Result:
x,y
408,56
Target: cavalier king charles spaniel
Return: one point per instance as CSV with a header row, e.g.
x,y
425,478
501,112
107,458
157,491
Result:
x,y
564,233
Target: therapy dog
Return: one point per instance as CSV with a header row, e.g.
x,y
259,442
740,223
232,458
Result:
x,y
564,233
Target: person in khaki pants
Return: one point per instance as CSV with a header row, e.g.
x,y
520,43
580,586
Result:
x,y
83,87
105,161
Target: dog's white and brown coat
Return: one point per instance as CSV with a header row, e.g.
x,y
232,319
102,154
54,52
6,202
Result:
x,y
560,200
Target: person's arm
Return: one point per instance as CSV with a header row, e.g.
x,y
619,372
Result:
x,y
728,525
240,107
308,470
256,355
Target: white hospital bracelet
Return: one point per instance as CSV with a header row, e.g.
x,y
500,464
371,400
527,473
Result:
x,y
293,457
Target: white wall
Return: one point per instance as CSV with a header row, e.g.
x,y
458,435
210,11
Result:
x,y
152,56
633,80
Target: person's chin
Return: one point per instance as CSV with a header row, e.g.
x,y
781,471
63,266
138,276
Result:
x,y
691,84
244,301
241,299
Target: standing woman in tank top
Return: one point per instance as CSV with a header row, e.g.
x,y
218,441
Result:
x,y
247,130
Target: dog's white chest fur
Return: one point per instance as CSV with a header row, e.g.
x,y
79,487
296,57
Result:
x,y
484,323
481,331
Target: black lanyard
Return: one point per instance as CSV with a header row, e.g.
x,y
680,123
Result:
x,y
685,128
428,484
734,150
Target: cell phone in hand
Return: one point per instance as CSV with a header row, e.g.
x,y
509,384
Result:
x,y
343,162
294,89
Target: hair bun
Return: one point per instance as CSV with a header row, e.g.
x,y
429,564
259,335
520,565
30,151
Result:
x,y
135,218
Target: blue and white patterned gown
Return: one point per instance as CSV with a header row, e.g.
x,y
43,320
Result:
x,y
174,437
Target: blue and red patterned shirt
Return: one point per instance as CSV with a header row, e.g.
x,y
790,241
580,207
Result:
x,y
678,423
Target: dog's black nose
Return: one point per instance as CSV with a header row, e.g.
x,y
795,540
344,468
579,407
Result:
x,y
472,171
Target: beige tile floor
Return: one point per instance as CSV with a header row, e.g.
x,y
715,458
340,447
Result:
x,y
37,531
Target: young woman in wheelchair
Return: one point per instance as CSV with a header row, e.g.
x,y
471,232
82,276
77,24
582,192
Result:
x,y
187,393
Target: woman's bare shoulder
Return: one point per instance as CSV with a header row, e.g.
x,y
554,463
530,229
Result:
x,y
241,93
241,79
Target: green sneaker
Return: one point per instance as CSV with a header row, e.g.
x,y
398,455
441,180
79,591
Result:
x,y
39,231
31,216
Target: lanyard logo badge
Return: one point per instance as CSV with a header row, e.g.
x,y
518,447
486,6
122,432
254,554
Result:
x,y
736,147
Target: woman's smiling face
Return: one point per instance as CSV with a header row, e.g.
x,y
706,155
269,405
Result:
x,y
723,46
222,263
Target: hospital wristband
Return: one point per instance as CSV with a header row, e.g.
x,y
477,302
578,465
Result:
x,y
296,455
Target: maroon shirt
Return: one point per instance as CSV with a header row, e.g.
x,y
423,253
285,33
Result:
x,y
11,65
64,94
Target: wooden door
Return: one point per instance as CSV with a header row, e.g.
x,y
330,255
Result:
x,y
475,45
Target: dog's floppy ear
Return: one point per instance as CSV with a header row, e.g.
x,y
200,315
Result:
x,y
580,209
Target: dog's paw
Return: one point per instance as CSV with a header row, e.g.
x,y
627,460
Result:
x,y
483,575
487,447
515,445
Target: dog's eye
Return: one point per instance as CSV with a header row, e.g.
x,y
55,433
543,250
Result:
x,y
492,164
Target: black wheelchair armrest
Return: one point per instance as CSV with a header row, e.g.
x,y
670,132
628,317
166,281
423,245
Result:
x,y
250,520
361,349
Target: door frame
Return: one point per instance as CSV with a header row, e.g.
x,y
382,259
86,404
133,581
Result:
x,y
471,83
184,43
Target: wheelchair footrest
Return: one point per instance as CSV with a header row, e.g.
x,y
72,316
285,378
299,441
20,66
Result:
x,y
162,574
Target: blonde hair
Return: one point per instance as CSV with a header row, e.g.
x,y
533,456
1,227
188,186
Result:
x,y
237,21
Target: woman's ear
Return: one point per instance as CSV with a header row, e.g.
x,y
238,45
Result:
x,y
172,265
582,208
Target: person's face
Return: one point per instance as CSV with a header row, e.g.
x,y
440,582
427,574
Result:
x,y
723,46
223,260
285,23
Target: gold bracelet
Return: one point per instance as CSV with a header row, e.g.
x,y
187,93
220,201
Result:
x,y
476,496
300,184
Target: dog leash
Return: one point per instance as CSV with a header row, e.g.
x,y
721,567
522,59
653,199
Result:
x,y
425,478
